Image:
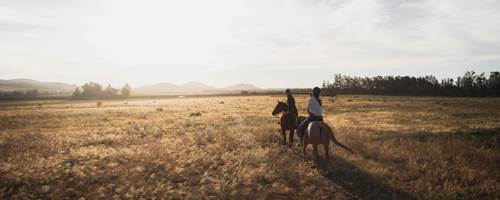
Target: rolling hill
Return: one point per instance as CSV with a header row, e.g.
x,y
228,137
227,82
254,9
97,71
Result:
x,y
191,88
28,84
242,86
160,88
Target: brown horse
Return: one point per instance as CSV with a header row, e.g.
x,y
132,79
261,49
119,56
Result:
x,y
320,133
288,121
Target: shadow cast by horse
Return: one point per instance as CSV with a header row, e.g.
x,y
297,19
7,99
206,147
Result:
x,y
359,182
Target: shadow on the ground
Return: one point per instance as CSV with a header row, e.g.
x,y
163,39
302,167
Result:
x,y
487,137
367,186
358,182
353,180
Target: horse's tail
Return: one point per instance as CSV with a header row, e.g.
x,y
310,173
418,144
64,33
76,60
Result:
x,y
334,140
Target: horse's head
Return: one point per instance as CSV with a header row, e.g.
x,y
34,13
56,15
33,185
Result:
x,y
280,107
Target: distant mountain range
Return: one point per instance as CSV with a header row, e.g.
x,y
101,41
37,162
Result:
x,y
160,88
28,84
191,87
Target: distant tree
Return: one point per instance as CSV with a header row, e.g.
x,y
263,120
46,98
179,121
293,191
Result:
x,y
110,92
481,85
470,84
21,94
466,83
494,83
92,90
77,93
32,93
126,90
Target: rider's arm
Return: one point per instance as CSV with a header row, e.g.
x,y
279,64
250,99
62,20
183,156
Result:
x,y
309,106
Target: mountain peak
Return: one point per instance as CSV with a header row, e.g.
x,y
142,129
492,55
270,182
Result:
x,y
242,86
198,85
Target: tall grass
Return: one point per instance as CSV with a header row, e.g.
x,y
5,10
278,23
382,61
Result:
x,y
430,148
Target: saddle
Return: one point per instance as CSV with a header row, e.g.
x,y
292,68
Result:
x,y
320,129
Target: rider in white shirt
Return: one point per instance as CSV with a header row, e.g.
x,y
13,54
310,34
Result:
x,y
314,109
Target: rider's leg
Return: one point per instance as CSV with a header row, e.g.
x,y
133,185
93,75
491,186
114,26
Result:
x,y
303,126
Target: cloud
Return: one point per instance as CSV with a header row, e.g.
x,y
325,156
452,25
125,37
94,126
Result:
x,y
247,37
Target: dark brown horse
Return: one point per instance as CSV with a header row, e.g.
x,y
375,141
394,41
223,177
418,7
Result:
x,y
288,121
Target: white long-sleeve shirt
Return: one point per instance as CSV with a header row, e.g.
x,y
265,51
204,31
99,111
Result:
x,y
314,107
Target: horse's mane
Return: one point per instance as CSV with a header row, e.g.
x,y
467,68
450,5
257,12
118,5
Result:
x,y
285,104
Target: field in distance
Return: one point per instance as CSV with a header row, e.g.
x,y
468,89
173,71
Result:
x,y
228,148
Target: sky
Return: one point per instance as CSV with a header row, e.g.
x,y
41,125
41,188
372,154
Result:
x,y
269,43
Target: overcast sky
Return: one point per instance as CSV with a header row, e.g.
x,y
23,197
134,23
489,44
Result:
x,y
282,43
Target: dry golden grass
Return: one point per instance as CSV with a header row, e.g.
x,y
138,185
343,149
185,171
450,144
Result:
x,y
200,148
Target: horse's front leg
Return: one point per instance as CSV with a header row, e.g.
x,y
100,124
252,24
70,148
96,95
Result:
x,y
292,133
304,146
301,138
283,134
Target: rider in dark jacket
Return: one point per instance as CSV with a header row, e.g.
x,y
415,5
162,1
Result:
x,y
291,102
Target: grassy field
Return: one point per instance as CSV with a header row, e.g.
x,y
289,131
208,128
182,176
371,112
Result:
x,y
227,148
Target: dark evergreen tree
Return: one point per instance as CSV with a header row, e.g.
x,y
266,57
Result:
x,y
470,84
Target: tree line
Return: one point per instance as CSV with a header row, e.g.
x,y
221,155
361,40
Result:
x,y
92,90
470,84
12,95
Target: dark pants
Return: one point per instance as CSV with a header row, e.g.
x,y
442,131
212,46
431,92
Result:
x,y
294,111
305,123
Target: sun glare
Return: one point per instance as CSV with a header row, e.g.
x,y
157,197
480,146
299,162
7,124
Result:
x,y
159,32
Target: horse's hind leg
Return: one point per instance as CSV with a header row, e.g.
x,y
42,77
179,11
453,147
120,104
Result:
x,y
292,132
315,152
326,146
